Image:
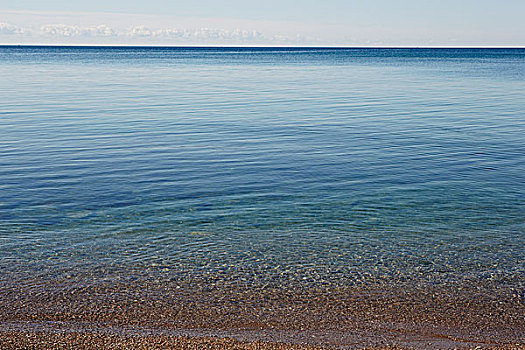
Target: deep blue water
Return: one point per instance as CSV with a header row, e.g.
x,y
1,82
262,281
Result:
x,y
332,166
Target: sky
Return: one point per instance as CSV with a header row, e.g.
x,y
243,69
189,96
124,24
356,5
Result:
x,y
264,23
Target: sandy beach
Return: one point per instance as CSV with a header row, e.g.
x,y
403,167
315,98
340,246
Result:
x,y
21,340
31,340
167,316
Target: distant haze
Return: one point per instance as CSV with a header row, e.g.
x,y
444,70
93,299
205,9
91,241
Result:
x,y
270,22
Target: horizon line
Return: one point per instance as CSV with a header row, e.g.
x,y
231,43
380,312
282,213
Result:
x,y
272,46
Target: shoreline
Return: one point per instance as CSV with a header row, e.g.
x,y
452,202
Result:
x,y
20,340
82,336
352,318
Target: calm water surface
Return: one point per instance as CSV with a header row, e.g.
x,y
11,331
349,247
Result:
x,y
316,166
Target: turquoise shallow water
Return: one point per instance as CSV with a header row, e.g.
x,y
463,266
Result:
x,y
320,166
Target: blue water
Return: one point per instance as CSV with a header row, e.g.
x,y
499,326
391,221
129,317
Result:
x,y
316,166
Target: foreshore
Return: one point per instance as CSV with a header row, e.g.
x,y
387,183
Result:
x,y
164,316
81,341
24,340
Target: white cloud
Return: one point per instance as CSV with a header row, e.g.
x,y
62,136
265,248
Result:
x,y
103,30
293,40
78,31
62,30
11,29
140,32
197,34
134,29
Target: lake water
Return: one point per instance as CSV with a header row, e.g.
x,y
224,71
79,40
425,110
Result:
x,y
266,166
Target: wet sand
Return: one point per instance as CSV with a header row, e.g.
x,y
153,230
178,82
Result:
x,y
19,340
161,315
81,341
